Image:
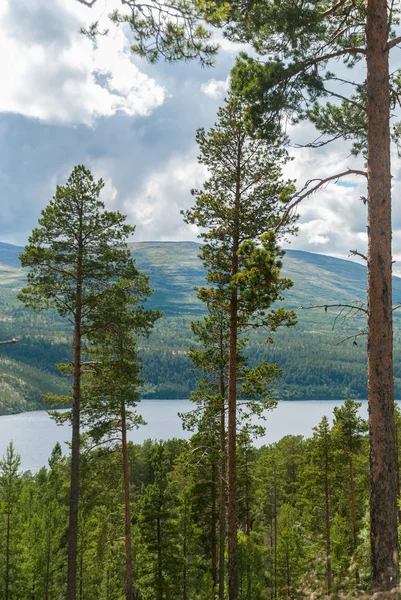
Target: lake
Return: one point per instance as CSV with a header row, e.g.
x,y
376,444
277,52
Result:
x,y
35,434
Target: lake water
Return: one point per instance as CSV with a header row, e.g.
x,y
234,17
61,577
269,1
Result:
x,y
35,434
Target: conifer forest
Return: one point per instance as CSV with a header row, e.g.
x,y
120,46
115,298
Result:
x,y
217,516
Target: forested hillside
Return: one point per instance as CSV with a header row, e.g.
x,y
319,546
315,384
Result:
x,y
283,518
316,365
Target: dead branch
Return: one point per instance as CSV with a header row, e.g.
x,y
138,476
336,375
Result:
x,y
13,341
334,8
89,3
301,195
356,253
326,306
350,337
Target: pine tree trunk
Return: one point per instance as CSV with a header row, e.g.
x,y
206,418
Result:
x,y
287,564
247,500
329,578
129,576
398,474
8,536
232,394
160,582
222,508
383,458
81,573
232,438
353,516
248,530
74,485
48,564
275,543
213,526
185,555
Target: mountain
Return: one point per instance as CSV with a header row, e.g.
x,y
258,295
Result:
x,y
316,364
175,269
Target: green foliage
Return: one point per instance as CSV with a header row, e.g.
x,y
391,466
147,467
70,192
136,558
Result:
x,y
305,37
174,31
281,524
111,373
77,241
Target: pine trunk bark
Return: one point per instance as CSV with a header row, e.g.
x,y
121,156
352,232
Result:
x,y
48,565
232,436
213,525
160,582
222,508
74,485
353,516
383,457
8,536
329,576
232,392
129,570
275,586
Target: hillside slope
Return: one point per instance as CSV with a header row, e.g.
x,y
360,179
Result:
x,y
316,365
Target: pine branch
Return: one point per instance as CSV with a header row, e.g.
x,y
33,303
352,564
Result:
x,y
394,42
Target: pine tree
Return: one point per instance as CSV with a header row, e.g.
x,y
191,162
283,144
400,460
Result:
x,y
10,489
318,477
299,41
111,382
159,564
349,428
243,199
73,256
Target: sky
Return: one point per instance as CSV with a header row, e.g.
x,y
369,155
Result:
x,y
65,101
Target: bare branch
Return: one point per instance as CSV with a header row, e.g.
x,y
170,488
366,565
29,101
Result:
x,y
326,306
350,337
333,9
321,182
356,253
13,341
89,3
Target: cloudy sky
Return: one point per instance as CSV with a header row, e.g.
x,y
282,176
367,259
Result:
x,y
64,102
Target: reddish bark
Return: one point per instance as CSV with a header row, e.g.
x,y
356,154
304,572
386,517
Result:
x,y
213,526
223,486
74,485
129,581
383,457
353,514
329,577
232,443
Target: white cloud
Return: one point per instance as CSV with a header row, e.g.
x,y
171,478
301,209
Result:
x,y
215,88
58,76
155,209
